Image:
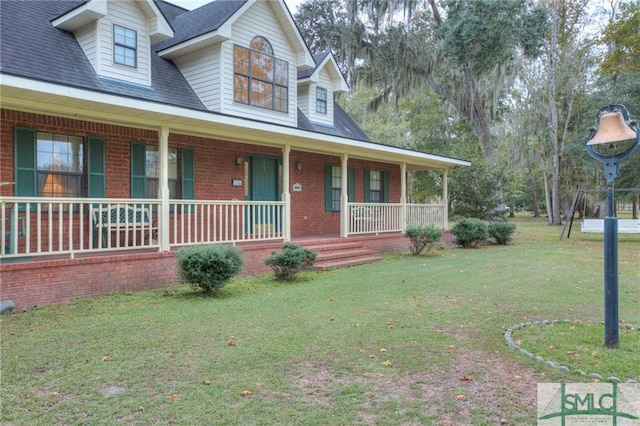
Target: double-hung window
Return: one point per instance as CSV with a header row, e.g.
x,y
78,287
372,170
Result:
x,y
60,165
376,186
260,79
336,184
145,172
125,46
333,186
57,165
321,100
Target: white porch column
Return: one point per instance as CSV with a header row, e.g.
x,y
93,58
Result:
x,y
344,196
403,193
445,197
163,190
286,194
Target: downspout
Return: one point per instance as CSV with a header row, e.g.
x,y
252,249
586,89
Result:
x,y
344,196
163,190
286,195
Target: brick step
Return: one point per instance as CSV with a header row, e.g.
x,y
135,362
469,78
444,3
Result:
x,y
352,261
320,247
324,256
340,254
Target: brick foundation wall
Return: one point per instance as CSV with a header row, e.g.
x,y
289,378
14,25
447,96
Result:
x,y
38,283
44,282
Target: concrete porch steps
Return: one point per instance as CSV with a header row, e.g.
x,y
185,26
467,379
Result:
x,y
332,255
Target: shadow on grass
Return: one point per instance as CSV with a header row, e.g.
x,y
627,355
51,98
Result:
x,y
239,286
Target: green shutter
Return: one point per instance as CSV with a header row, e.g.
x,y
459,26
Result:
x,y
96,167
138,170
328,188
26,173
385,186
188,174
351,186
367,186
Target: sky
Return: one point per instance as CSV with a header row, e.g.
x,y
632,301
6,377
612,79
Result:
x,y
193,4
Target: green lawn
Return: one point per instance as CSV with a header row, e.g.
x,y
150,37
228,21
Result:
x,y
411,340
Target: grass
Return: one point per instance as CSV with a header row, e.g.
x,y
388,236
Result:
x,y
411,340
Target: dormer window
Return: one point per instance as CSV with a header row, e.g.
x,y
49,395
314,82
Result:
x,y
261,79
321,100
125,44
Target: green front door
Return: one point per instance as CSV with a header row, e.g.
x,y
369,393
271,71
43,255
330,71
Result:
x,y
265,186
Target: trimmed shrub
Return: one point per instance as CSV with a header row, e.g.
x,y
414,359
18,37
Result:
x,y
292,260
501,231
209,267
422,236
470,232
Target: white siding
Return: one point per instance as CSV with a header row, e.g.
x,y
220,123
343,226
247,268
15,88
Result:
x,y
202,71
325,82
86,37
258,20
303,99
129,15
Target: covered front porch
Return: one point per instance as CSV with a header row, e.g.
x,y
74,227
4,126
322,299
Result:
x,y
58,250
53,228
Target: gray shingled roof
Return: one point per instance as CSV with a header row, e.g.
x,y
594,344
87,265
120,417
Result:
x,y
32,47
318,60
343,126
202,20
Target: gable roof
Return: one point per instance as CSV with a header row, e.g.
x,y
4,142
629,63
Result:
x,y
201,21
318,60
34,53
212,23
33,48
325,60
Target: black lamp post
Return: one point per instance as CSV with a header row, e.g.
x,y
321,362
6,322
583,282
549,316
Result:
x,y
614,138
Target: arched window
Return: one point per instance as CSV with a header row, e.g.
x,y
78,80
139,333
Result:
x,y
260,79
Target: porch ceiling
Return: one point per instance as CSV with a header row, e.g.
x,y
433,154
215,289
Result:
x,y
46,98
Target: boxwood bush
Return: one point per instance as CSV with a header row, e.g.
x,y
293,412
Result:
x,y
209,267
422,236
501,231
470,232
292,260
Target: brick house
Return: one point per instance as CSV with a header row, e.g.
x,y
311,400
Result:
x,y
132,128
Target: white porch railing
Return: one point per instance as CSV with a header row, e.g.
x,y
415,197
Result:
x,y
192,221
368,218
53,226
34,227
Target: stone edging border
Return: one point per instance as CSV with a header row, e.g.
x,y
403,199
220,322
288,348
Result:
x,y
549,363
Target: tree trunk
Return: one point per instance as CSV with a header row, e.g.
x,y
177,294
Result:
x,y
534,196
547,197
554,216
